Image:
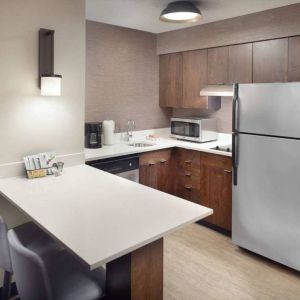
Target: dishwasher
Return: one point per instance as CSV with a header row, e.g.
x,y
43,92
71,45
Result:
x,y
123,166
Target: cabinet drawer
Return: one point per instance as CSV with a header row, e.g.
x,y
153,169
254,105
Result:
x,y
187,178
214,160
189,160
189,193
154,157
189,188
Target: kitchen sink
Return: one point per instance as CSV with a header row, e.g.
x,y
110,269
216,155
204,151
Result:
x,y
141,145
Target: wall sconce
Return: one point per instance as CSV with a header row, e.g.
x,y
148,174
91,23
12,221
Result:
x,y
49,83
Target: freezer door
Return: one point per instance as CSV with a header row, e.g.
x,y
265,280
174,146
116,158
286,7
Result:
x,y
270,108
266,200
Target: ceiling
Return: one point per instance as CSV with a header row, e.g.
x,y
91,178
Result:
x,y
144,14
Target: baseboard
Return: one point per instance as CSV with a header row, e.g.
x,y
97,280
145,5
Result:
x,y
215,227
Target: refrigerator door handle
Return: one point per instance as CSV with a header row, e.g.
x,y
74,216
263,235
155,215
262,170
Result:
x,y
235,108
235,121
235,157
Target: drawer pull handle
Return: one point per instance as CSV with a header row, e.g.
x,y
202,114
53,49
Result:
x,y
163,161
188,174
188,161
151,164
228,171
188,187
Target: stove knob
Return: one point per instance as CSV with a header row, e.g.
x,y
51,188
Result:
x,y
228,149
217,148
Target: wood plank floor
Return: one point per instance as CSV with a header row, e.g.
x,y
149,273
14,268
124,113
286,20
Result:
x,y
203,264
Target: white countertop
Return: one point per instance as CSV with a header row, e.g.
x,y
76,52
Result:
x,y
99,216
122,148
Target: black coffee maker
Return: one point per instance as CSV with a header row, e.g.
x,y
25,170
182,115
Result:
x,y
93,133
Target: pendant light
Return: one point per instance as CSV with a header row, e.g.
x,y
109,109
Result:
x,y
180,12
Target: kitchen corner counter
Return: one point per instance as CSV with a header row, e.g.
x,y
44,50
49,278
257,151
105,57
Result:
x,y
98,216
122,148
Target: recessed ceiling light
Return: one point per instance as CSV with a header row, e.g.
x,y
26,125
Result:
x,y
180,12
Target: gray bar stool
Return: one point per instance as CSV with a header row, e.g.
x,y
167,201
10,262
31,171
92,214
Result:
x,y
53,277
34,238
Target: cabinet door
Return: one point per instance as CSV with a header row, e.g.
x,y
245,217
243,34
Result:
x,y
170,80
270,61
217,65
194,78
165,175
155,170
240,63
149,174
216,189
294,59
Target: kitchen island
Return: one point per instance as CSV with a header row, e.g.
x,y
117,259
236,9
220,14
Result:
x,y
105,219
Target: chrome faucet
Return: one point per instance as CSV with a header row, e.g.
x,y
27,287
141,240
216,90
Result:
x,y
130,129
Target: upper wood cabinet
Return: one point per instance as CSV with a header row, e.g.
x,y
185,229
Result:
x,y
232,64
294,59
194,78
217,65
170,80
240,63
270,61
181,77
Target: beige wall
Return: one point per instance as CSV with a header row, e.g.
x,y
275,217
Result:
x,y
30,123
122,77
274,23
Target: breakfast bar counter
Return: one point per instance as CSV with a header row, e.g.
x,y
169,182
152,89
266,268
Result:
x,y
105,219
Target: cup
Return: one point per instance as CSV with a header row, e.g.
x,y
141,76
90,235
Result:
x,y
57,168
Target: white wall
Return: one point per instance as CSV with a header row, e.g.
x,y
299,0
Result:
x,y
30,123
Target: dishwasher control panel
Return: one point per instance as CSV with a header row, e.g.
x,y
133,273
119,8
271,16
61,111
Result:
x,y
116,165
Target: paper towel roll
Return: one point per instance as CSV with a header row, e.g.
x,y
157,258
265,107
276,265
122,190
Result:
x,y
108,131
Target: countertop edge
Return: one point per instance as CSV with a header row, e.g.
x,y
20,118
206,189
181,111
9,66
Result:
x,y
150,240
154,148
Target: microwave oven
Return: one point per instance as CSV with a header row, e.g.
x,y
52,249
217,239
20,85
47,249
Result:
x,y
194,129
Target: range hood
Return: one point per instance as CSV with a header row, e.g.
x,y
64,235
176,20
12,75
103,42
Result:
x,y
217,90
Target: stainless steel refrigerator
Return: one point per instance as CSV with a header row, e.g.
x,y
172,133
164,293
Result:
x,y
266,170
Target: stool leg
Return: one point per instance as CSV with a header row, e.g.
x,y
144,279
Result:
x,y
6,289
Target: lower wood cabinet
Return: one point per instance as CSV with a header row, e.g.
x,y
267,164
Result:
x,y
155,170
200,177
216,188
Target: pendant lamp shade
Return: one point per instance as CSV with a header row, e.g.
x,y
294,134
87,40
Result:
x,y
180,12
